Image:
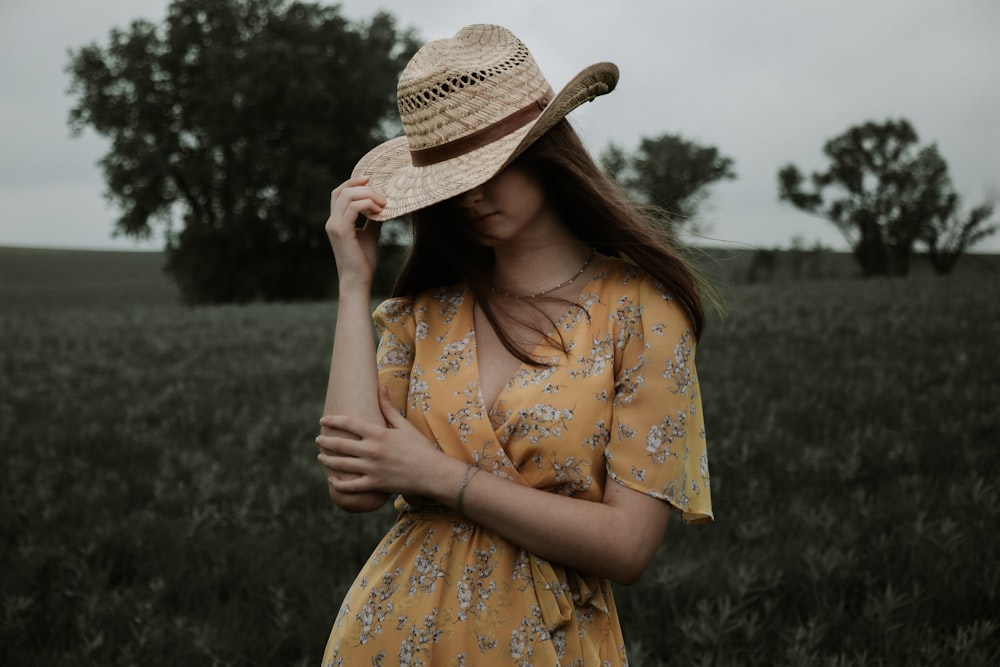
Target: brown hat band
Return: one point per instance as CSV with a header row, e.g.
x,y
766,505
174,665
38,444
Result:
x,y
482,137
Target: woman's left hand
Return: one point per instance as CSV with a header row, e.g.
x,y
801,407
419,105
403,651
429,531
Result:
x,y
392,459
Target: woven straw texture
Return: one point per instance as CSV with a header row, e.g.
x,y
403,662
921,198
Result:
x,y
451,90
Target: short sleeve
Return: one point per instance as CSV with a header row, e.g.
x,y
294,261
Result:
x,y
396,330
657,444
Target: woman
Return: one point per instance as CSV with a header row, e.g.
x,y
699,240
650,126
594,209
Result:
x,y
533,398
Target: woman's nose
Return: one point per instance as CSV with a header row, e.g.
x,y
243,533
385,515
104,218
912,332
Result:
x,y
470,197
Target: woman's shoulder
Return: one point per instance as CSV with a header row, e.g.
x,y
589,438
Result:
x,y
620,276
442,299
435,300
631,294
392,311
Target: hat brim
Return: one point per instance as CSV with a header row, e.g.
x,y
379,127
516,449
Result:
x,y
408,188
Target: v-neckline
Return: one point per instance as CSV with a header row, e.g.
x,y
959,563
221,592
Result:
x,y
491,407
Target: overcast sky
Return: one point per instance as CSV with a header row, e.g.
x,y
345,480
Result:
x,y
765,81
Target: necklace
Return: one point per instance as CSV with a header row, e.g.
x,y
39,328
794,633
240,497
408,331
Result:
x,y
565,283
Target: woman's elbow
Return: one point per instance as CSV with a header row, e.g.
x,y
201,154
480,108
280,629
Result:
x,y
358,503
633,559
629,572
638,523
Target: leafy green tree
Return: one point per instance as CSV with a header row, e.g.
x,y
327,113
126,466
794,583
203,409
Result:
x,y
885,193
229,125
668,172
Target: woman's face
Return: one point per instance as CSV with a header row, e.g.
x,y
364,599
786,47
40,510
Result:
x,y
509,207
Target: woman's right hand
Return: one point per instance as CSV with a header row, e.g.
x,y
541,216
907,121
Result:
x,y
355,248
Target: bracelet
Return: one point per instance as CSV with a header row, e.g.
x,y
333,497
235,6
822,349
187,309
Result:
x,y
470,472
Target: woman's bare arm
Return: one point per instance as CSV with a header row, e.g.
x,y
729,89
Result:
x,y
352,388
615,538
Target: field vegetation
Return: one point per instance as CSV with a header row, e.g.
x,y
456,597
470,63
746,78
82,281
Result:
x,y
161,503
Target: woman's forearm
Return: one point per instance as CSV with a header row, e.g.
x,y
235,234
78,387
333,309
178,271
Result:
x,y
352,388
615,538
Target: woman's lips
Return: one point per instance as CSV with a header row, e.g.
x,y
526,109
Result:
x,y
478,220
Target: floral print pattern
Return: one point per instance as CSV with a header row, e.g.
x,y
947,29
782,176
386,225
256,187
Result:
x,y
622,406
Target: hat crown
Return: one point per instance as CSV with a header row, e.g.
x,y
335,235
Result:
x,y
454,87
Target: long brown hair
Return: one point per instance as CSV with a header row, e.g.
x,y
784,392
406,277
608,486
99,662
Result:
x,y
445,251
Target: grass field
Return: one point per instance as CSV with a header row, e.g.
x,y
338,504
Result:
x,y
161,504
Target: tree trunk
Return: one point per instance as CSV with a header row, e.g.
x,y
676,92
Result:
x,y
870,250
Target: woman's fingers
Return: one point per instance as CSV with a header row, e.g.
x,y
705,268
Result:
x,y
351,199
351,189
389,411
343,474
344,215
355,247
350,466
332,444
335,445
354,484
392,457
358,427
346,471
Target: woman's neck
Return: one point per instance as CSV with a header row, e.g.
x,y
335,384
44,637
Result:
x,y
540,266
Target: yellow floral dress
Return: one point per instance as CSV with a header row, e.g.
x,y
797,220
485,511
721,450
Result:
x,y
624,404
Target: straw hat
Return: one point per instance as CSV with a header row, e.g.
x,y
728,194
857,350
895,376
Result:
x,y
469,106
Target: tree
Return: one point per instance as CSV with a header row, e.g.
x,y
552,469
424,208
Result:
x,y
948,236
668,172
238,117
884,193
